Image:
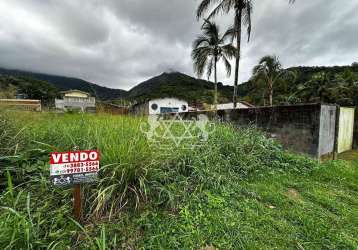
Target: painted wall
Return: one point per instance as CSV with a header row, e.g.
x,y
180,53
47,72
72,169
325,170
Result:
x,y
157,106
345,132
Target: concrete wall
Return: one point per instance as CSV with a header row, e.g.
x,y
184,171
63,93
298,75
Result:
x,y
296,127
310,129
307,129
21,104
140,109
327,130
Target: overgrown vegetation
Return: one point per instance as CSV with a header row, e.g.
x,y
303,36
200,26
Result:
x,y
29,87
65,83
312,84
240,190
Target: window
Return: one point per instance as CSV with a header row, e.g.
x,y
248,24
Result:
x,y
183,107
168,110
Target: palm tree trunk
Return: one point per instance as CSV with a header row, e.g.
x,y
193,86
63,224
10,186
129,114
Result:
x,y
238,17
264,98
216,85
270,93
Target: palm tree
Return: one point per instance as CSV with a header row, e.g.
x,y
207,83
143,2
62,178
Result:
x,y
209,49
318,87
243,11
270,71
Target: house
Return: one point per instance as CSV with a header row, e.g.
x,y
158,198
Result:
x,y
160,106
76,100
240,105
21,104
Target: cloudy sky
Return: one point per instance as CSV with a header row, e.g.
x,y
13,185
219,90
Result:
x,y
119,43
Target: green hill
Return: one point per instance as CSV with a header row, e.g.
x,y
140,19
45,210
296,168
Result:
x,y
66,83
165,85
181,86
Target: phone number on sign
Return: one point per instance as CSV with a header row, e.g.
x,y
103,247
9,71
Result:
x,y
78,167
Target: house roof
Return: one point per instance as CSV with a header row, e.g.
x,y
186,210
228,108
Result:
x,y
242,102
74,90
247,104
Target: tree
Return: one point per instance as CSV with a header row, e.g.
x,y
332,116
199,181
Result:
x,y
320,86
243,11
208,49
7,92
270,71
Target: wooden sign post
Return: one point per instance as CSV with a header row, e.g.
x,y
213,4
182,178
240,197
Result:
x,y
77,202
74,168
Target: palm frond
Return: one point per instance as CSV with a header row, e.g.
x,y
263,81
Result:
x,y
229,50
211,30
223,7
201,41
229,34
200,57
247,11
204,7
227,66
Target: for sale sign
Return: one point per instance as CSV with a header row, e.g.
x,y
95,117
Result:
x,y
74,167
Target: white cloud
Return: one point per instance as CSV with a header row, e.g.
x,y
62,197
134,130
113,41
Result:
x,y
120,43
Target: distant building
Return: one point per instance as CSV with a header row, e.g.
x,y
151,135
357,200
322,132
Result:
x,y
76,100
21,104
160,106
240,105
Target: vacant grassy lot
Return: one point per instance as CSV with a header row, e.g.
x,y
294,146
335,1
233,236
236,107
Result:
x,y
238,191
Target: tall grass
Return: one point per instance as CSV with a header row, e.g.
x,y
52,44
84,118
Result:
x,y
134,175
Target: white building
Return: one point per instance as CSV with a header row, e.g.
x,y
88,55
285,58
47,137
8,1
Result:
x,y
76,100
167,105
225,106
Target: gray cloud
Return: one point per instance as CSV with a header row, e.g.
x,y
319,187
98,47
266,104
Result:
x,y
120,43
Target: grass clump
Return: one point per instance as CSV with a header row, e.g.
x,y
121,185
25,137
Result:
x,y
239,190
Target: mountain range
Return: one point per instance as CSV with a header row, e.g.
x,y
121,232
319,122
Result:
x,y
172,84
65,83
176,84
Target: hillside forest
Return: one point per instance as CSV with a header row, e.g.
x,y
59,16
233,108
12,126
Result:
x,y
337,84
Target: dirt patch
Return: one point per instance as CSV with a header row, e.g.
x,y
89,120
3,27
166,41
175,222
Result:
x,y
293,194
349,156
208,248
